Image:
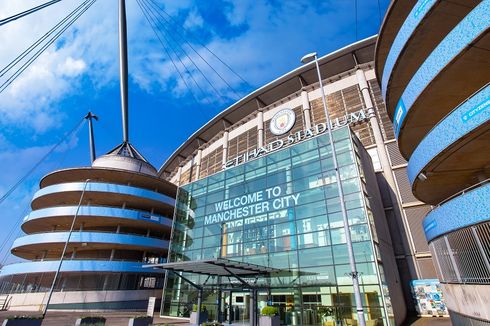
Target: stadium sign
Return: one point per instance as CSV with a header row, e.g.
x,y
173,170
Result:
x,y
282,122
296,137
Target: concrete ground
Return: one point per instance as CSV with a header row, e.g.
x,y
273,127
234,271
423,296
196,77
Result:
x,y
112,318
431,321
121,318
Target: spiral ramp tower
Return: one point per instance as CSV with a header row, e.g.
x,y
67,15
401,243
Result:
x,y
433,62
123,222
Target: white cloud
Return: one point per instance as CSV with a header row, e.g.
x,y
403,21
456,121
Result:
x,y
30,102
71,67
270,39
194,19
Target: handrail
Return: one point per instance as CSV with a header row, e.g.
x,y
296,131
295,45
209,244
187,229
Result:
x,y
94,231
454,109
461,192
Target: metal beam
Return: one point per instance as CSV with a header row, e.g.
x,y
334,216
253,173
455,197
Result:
x,y
186,279
302,81
237,277
260,103
226,121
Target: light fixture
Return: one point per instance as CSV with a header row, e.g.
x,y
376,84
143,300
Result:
x,y
422,176
308,57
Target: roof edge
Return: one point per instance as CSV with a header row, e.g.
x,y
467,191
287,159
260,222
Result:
x,y
326,58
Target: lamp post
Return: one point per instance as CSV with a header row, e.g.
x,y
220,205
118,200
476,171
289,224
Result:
x,y
352,262
65,248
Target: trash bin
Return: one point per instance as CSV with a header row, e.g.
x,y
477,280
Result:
x,y
295,318
309,317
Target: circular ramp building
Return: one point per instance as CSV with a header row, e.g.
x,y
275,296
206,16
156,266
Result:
x,y
433,63
123,221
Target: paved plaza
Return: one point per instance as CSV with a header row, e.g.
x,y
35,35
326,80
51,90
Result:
x,y
121,318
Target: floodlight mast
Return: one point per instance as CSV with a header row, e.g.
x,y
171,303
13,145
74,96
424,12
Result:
x,y
354,274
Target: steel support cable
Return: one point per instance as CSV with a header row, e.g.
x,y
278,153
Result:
x,y
197,52
19,182
176,54
204,46
40,40
167,52
44,47
9,252
11,232
26,209
187,55
27,12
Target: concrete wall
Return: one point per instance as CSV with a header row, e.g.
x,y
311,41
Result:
x,y
468,299
35,301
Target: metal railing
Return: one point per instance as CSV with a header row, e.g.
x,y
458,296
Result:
x,y
462,192
463,256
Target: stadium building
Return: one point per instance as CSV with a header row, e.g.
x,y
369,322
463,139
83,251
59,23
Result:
x,y
433,62
241,152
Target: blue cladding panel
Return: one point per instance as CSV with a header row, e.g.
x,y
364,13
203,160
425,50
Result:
x,y
473,25
465,210
470,115
78,266
98,211
90,237
418,12
104,187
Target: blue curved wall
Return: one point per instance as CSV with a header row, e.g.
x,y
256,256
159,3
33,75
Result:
x,y
90,237
470,28
105,188
78,266
467,209
409,26
470,115
98,211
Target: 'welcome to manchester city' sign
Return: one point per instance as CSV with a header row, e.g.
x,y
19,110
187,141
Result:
x,y
259,202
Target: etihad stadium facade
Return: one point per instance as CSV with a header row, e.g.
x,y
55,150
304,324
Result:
x,y
239,152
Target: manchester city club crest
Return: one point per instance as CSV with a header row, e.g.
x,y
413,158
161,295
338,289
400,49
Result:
x,y
282,122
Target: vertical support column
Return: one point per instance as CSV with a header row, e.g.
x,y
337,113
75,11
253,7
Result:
x,y
253,308
225,147
453,261
230,308
378,137
306,108
123,67
480,247
385,162
198,163
199,304
260,128
220,309
179,174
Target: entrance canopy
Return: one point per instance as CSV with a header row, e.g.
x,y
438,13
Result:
x,y
221,267
218,267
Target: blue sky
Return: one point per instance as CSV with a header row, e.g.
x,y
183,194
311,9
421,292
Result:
x,y
261,40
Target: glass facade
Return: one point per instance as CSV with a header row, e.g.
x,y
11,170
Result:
x,y
283,211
